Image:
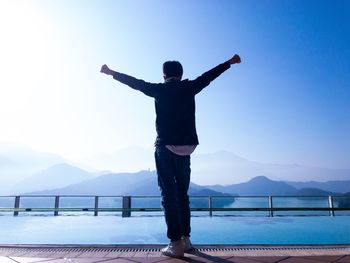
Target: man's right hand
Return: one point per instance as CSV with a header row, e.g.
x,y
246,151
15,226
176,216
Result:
x,y
106,70
235,60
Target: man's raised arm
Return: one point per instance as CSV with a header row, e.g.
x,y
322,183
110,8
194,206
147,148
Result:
x,y
147,88
202,81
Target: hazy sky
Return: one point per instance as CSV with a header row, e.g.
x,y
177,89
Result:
x,y
287,102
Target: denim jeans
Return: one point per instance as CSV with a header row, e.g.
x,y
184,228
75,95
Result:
x,y
174,179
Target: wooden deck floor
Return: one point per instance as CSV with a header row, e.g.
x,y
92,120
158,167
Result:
x,y
151,253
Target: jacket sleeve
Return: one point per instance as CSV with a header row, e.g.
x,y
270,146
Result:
x,y
202,81
150,89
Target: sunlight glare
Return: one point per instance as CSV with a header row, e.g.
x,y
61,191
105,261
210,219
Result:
x,y
26,46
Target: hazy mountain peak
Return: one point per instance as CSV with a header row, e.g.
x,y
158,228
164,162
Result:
x,y
63,167
260,179
259,185
58,175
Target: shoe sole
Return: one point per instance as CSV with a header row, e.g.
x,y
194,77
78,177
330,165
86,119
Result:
x,y
172,255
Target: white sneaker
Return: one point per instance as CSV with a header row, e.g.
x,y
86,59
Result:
x,y
174,249
187,244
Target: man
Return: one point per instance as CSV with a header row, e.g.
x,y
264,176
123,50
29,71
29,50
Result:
x,y
176,140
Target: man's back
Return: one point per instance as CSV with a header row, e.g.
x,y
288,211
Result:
x,y
175,110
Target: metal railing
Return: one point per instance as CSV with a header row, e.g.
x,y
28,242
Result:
x,y
126,205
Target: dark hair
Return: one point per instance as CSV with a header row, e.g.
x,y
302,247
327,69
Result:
x,y
172,69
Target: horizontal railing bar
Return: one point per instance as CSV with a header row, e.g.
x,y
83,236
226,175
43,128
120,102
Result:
x,y
63,196
126,204
193,196
220,196
73,209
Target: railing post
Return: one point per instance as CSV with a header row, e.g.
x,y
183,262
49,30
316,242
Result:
x,y
17,200
210,204
270,206
331,205
57,205
96,206
126,206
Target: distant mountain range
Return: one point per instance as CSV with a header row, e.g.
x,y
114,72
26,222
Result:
x,y
262,185
18,162
227,168
144,183
331,186
221,167
23,170
259,185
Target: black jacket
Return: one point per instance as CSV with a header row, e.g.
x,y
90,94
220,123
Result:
x,y
175,104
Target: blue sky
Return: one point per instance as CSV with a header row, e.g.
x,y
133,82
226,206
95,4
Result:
x,y
287,102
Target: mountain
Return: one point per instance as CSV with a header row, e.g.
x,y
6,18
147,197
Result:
x,y
331,186
222,167
18,162
207,192
59,175
143,183
314,192
226,168
198,190
260,185
107,184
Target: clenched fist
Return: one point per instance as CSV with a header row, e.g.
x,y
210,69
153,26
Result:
x,y
234,60
106,70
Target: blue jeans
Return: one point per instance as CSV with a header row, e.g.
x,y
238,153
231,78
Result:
x,y
174,179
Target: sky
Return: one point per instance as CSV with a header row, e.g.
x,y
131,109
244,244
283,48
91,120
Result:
x,y
287,102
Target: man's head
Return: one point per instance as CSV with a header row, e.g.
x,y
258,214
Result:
x,y
172,70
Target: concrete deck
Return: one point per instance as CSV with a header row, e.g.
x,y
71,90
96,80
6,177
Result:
x,y
151,253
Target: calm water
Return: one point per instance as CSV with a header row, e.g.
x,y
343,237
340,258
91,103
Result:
x,y
111,228
151,230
